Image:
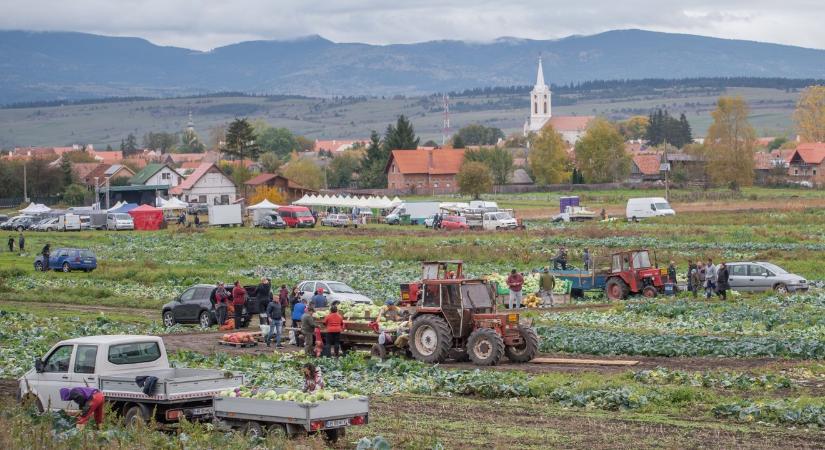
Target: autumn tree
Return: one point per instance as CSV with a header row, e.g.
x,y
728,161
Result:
x,y
270,162
161,141
476,134
190,143
498,160
810,114
267,193
548,157
600,154
474,178
304,172
729,144
277,140
634,128
342,168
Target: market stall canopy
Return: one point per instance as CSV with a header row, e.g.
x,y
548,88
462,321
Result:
x,y
265,204
147,217
346,201
172,204
124,208
116,206
396,201
35,208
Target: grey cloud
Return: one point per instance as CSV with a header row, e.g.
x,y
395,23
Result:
x,y
209,23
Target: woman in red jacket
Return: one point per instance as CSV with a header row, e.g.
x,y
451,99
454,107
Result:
x,y
334,325
238,300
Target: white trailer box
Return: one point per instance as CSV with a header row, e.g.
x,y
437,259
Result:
x,y
225,214
418,211
68,222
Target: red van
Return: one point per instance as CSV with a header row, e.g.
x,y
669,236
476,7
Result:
x,y
297,216
454,223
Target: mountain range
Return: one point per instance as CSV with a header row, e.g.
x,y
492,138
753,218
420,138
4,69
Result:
x,y
38,66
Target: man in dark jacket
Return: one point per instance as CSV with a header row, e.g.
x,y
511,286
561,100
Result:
x,y
220,298
263,295
722,281
308,330
276,321
319,300
11,244
46,252
21,242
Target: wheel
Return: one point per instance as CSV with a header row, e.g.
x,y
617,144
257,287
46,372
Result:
x,y
205,319
780,289
254,429
431,339
649,292
527,350
38,266
66,268
136,415
616,289
168,318
485,347
334,434
378,351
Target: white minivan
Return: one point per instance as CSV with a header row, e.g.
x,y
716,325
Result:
x,y
640,208
119,221
68,222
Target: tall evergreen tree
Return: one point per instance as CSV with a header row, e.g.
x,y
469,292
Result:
x,y
240,140
372,167
130,146
401,136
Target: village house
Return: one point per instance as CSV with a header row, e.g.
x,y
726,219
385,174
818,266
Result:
x,y
118,174
336,145
424,171
207,185
646,167
289,189
806,162
156,175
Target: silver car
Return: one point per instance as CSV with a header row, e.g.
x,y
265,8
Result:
x,y
333,290
763,276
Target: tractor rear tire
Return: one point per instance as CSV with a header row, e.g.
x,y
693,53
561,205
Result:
x,y
649,292
431,339
485,347
527,350
616,289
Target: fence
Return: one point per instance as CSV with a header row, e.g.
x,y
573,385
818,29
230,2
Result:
x,y
14,202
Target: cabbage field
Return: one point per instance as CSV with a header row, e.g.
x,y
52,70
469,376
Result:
x,y
748,372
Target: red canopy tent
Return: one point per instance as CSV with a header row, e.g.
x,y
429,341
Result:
x,y
147,217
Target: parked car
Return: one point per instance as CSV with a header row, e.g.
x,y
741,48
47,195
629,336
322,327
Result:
x,y
297,216
198,208
454,223
68,259
640,208
3,218
195,305
499,220
19,223
85,223
272,221
764,276
337,220
47,224
69,222
119,221
334,290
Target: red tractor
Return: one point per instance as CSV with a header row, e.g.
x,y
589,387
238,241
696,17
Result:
x,y
632,274
454,315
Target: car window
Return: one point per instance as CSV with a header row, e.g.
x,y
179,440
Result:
x,y
74,254
757,271
58,361
84,360
88,254
322,286
739,270
308,287
134,353
62,253
186,296
202,293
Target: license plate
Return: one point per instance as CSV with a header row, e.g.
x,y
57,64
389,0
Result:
x,y
336,423
202,411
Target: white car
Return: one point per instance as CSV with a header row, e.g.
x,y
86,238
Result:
x,y
334,290
119,221
49,224
499,221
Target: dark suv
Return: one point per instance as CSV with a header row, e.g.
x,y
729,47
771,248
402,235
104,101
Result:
x,y
196,305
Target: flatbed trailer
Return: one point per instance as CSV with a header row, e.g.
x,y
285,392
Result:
x,y
581,280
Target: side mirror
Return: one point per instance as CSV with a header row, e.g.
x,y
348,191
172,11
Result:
x,y
766,275
38,365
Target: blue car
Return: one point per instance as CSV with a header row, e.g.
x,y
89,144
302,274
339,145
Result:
x,y
68,259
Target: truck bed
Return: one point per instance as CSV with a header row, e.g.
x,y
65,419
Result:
x,y
276,411
581,279
174,384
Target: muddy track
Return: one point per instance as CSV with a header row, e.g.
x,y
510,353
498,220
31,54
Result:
x,y
149,313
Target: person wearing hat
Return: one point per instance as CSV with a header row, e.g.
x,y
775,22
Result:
x,y
319,300
547,282
389,311
220,297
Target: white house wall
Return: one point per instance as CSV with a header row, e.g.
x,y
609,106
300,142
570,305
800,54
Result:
x,y
158,179
213,186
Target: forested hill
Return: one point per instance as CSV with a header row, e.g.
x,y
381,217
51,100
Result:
x,y
46,66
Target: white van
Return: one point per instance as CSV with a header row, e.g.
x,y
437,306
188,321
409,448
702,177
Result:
x,y
640,208
499,220
119,221
68,222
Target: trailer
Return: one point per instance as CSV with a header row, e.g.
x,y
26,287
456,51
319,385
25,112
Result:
x,y
630,273
253,415
225,215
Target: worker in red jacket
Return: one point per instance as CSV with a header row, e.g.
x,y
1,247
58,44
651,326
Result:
x,y
515,282
238,300
334,324
90,401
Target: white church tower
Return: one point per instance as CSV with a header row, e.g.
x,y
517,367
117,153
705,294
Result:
x,y
540,108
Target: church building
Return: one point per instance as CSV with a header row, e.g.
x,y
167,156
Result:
x,y
571,128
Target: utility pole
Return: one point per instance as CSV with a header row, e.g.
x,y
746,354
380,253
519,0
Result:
x,y
107,193
97,192
445,130
25,187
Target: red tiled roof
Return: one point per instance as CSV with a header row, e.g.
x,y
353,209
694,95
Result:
x,y
194,177
570,123
648,164
445,161
810,153
260,179
190,165
179,158
335,145
784,154
109,157
83,170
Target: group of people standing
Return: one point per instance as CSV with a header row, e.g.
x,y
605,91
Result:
x,y
714,279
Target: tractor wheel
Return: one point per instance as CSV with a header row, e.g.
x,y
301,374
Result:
x,y
431,339
649,292
616,289
527,350
485,347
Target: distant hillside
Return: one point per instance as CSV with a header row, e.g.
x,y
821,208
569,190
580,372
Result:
x,y
46,66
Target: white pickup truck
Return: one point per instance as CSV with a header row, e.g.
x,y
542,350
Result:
x,y
112,364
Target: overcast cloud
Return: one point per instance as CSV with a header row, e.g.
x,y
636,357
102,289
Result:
x,y
206,24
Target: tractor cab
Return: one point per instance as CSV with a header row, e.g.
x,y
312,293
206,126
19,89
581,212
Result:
x,y
632,273
412,293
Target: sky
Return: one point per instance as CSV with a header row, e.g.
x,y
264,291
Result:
x,y
206,24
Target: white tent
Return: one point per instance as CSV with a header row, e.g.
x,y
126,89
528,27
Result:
x,y
265,204
396,201
35,208
116,206
173,204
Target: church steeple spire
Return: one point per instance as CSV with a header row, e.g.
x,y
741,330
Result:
x,y
540,75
